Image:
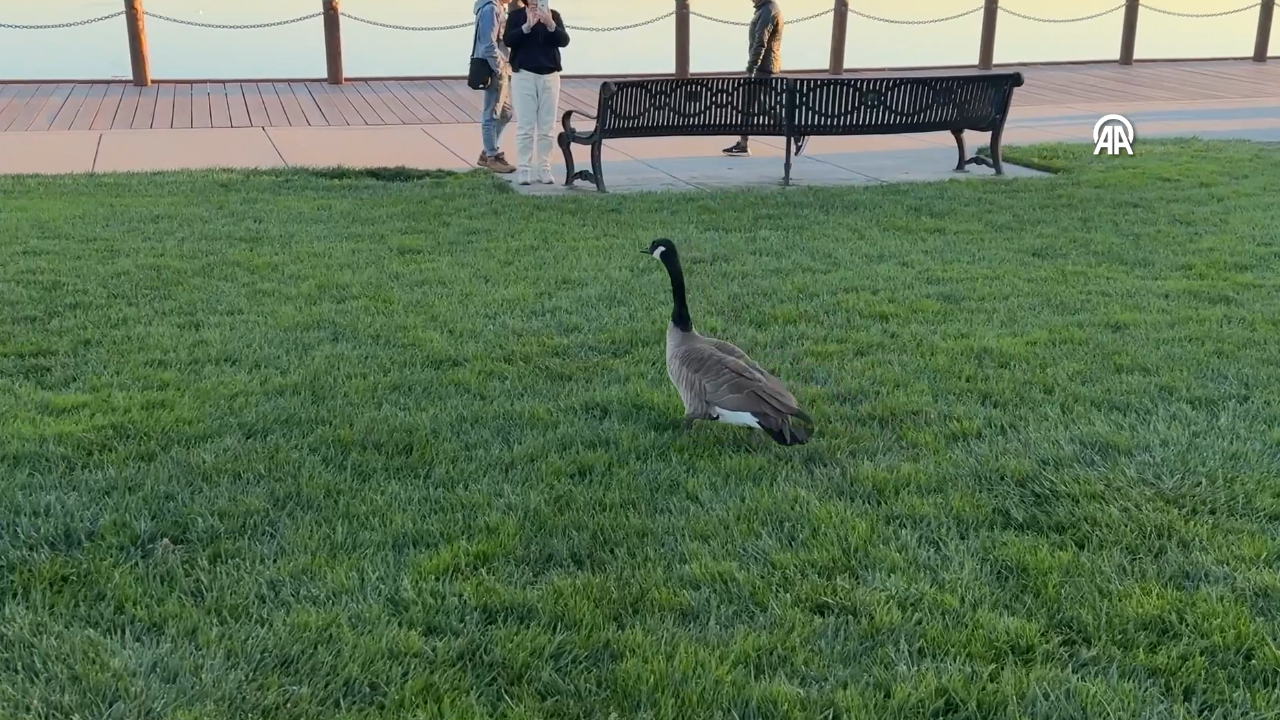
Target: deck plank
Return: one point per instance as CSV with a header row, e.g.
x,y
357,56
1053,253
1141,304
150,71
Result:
x,y
182,106
311,111
201,106
420,112
237,105
275,108
162,116
426,98
578,97
379,99
339,102
127,108
255,105
465,111
145,113
45,115
16,105
219,108
289,105
70,108
116,105
332,115
7,93
107,108
361,106
32,109
88,109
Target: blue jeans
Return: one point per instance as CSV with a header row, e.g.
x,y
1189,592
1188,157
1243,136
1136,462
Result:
x,y
496,112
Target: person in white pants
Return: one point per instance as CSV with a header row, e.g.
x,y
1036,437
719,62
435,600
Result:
x,y
535,35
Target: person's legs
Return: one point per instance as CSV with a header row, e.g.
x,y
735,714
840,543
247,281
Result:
x,y
758,97
503,119
548,103
495,114
489,144
524,96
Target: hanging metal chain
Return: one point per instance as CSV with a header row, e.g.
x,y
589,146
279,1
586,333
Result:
x,y
410,28
814,16
1223,13
62,26
934,21
735,23
217,26
1082,18
619,28
718,20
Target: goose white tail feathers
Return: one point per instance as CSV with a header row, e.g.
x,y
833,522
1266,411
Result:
x,y
716,380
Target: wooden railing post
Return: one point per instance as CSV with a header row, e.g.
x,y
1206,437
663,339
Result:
x,y
1265,13
987,50
136,22
839,34
682,38
1129,33
333,41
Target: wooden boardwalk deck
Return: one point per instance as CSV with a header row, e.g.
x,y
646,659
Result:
x,y
114,106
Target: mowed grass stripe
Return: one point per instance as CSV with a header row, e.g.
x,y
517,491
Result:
x,y
299,445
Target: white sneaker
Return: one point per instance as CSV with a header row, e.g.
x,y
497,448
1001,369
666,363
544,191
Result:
x,y
545,177
523,176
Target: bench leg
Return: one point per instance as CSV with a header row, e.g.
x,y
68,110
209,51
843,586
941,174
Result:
x,y
995,150
594,175
994,162
963,161
597,167
566,149
786,172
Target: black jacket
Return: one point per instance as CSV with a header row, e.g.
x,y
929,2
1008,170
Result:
x,y
765,57
537,51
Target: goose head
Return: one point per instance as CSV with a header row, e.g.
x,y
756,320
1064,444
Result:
x,y
662,249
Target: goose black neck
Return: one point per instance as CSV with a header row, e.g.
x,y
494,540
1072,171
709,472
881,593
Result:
x,y
680,306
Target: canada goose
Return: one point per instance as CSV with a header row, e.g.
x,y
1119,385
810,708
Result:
x,y
716,380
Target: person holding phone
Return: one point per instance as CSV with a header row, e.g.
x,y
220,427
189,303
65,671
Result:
x,y
535,33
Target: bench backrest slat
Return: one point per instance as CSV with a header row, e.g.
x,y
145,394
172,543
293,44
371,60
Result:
x,y
880,106
694,106
805,106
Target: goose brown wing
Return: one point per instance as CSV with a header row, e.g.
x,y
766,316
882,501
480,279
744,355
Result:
x,y
774,383
732,384
734,351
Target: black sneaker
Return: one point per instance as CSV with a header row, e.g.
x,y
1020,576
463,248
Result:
x,y
737,149
801,142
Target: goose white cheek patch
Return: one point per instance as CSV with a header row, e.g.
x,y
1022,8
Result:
x,y
658,253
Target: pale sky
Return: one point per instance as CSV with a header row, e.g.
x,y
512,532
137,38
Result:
x,y
100,50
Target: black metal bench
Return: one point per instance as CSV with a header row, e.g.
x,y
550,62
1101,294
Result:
x,y
794,108
675,108
977,102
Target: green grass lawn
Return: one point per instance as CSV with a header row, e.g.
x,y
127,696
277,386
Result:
x,y
283,445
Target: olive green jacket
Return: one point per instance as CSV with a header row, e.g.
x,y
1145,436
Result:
x,y
766,39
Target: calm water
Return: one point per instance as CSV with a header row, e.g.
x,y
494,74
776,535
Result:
x,y
100,50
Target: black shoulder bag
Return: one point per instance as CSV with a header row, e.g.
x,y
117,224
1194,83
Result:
x,y
480,76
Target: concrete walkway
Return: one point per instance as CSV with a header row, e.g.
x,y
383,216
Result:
x,y
629,165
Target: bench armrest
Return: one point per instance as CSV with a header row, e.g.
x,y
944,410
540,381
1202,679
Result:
x,y
567,124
